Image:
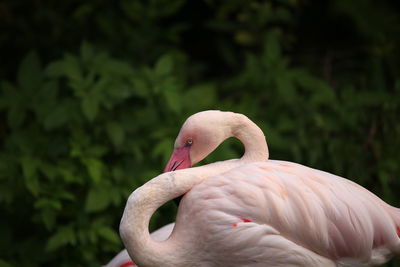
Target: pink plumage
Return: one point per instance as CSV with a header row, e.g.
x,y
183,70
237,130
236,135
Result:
x,y
253,211
122,259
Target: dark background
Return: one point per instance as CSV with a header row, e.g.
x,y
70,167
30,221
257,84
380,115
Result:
x,y
93,93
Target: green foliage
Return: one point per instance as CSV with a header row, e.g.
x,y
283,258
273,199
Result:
x,y
80,131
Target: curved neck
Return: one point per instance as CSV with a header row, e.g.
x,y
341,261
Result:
x,y
252,137
144,201
141,205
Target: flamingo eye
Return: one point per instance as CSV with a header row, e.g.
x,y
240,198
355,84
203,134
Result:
x,y
189,142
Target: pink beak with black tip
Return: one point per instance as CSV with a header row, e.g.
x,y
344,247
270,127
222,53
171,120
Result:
x,y
180,159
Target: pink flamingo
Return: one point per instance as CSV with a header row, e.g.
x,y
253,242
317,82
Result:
x,y
122,259
253,211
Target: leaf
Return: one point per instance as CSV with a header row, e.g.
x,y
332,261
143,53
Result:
x,y
97,199
48,203
49,218
199,97
171,8
108,234
86,52
97,150
16,115
30,72
118,67
286,88
272,48
116,133
173,99
6,195
163,149
164,65
115,196
12,99
5,264
94,168
244,37
72,68
59,115
90,107
140,87
118,91
8,94
69,176
29,169
65,235
69,67
45,99
56,69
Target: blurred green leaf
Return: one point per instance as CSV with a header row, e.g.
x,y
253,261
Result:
x,y
16,115
95,168
116,133
86,52
48,203
272,48
4,263
140,87
173,99
55,68
72,68
118,67
59,115
65,235
90,107
8,92
69,67
29,168
199,97
164,65
97,150
49,218
163,149
109,235
97,199
30,72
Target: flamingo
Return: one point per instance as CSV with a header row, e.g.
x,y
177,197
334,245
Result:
x,y
122,259
254,211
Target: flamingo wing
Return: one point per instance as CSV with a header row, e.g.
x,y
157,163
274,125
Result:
x,y
122,259
285,213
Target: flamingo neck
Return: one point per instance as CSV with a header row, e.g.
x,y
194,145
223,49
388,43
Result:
x,y
252,137
144,201
134,226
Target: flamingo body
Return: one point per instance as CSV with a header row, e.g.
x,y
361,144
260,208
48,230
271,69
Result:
x,y
286,214
254,211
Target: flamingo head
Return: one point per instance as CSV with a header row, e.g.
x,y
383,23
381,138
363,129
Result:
x,y
199,136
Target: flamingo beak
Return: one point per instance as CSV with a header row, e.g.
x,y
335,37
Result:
x,y
180,159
